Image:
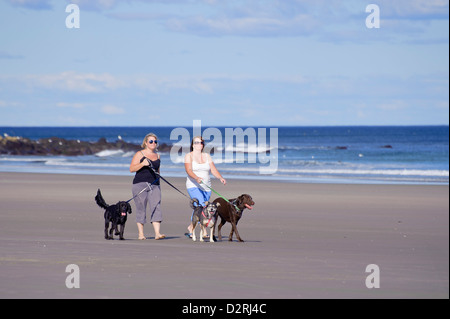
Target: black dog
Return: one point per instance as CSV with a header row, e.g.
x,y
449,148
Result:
x,y
114,214
229,213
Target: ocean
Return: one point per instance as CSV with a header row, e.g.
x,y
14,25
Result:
x,y
353,154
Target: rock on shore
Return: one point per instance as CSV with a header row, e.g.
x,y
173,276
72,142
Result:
x,y
59,146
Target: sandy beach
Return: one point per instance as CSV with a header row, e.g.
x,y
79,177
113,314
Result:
x,y
301,241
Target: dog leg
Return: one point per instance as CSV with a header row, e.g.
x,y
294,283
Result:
x,y
106,230
122,228
234,229
202,233
211,236
113,227
222,222
193,231
230,237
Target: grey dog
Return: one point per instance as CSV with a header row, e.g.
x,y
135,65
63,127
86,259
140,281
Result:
x,y
205,216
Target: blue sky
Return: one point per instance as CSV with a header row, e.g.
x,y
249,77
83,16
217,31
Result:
x,y
233,62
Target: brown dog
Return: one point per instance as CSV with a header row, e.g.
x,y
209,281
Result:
x,y
229,213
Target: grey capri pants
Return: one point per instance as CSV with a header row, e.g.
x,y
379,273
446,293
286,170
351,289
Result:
x,y
150,196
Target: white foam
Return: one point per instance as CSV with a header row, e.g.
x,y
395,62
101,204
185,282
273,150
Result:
x,y
107,153
245,148
383,172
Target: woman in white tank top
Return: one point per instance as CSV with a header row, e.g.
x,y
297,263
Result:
x,y
201,172
198,165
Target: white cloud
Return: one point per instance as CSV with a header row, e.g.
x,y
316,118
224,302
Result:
x,y
112,110
32,4
244,26
95,4
71,105
9,104
78,82
266,100
327,20
414,9
395,105
9,56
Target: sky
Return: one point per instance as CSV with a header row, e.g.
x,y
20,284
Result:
x,y
224,62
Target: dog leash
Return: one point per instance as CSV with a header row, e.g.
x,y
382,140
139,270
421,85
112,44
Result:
x,y
148,186
159,176
237,208
174,187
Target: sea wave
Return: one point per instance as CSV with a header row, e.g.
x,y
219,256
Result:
x,y
107,153
246,148
85,164
24,159
294,168
368,172
180,160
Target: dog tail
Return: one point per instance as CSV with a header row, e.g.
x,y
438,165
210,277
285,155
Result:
x,y
194,200
100,201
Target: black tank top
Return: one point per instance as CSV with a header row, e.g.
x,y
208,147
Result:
x,y
146,174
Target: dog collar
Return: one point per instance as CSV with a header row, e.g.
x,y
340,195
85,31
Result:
x,y
235,206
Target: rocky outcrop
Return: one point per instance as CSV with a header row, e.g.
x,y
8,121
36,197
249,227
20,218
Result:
x,y
57,146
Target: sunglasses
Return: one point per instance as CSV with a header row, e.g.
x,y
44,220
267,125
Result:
x,y
153,141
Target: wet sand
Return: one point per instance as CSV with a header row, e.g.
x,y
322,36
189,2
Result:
x,y
301,241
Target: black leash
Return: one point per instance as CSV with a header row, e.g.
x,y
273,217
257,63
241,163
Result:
x,y
174,187
159,176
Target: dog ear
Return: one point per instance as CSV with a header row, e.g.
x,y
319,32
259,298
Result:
x,y
129,208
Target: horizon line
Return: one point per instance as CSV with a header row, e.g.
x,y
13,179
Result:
x,y
221,126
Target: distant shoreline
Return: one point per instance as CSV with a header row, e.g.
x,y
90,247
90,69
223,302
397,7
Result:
x,y
332,155
16,145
